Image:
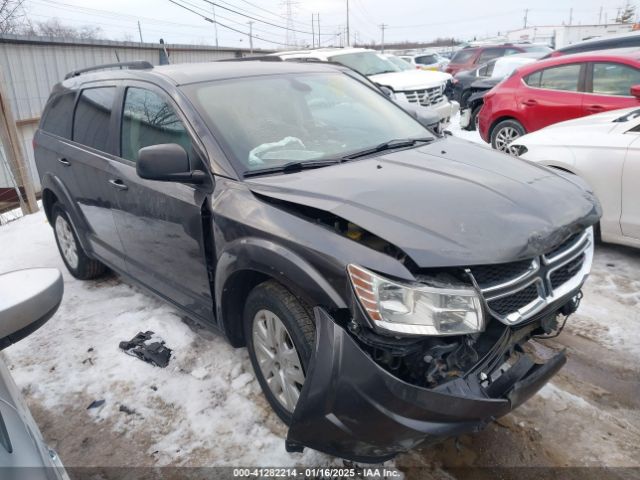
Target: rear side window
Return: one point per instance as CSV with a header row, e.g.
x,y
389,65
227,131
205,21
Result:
x,y
426,60
614,79
93,114
486,70
147,119
489,54
463,56
57,119
565,77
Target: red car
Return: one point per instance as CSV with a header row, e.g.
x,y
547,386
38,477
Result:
x,y
471,57
558,89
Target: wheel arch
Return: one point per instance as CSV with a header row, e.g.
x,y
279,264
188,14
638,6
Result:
x,y
55,191
247,262
502,119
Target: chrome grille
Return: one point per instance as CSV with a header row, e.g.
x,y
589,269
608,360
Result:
x,y
518,290
427,96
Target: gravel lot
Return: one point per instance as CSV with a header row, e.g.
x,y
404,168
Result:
x,y
206,408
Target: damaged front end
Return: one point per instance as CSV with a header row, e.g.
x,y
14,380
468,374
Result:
x,y
373,390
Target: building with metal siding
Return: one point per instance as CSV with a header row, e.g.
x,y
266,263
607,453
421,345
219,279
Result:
x,y
31,66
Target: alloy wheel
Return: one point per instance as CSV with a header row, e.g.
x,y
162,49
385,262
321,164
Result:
x,y
504,137
66,241
278,358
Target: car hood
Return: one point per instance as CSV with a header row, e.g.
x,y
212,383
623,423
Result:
x,y
411,79
451,203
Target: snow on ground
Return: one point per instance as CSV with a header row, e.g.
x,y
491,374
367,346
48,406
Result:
x,y
206,408
206,400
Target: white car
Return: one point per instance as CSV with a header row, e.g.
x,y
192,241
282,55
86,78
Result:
x,y
604,150
426,88
427,61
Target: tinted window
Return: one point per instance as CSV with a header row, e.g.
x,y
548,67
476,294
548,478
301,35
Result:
x,y
463,56
59,114
91,121
149,120
426,59
489,54
556,78
486,70
614,78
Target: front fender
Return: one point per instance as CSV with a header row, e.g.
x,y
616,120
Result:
x,y
280,263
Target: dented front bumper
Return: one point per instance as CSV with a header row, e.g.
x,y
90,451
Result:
x,y
352,408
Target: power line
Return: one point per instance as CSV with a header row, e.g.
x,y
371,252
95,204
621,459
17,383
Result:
x,y
256,18
226,26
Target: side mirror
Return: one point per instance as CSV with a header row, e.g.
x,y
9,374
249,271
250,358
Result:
x,y
635,91
167,162
387,91
29,298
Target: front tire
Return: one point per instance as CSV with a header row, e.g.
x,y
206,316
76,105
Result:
x,y
73,255
504,133
280,337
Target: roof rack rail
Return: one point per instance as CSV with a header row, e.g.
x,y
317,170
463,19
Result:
x,y
137,65
257,58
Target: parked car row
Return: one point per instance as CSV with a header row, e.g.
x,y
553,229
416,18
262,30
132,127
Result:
x,y
420,87
558,89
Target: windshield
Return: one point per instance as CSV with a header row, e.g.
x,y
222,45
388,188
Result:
x,y
463,56
270,121
366,63
400,63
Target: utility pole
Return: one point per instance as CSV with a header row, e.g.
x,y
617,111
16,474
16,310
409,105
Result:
x,y
14,154
140,31
382,29
313,29
250,37
600,17
348,38
215,23
291,34
526,14
319,37
570,16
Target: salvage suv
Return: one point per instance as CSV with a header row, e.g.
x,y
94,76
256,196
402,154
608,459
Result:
x,y
385,281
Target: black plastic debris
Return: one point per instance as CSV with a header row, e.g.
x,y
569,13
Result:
x,y
95,404
127,410
148,347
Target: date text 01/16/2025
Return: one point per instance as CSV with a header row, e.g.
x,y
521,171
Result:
x,y
320,472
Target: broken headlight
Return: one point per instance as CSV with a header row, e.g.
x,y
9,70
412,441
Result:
x,y
416,309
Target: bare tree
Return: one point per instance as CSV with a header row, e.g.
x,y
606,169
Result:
x,y
626,14
55,28
12,16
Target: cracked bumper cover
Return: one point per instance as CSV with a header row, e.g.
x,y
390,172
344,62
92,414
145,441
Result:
x,y
352,408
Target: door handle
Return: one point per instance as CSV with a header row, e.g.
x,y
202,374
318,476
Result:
x,y
64,162
529,103
119,184
595,108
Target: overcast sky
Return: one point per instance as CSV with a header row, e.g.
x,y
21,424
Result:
x,y
406,19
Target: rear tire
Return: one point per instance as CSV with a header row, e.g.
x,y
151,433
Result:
x,y
73,255
504,133
280,338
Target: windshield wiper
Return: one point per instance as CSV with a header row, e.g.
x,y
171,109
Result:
x,y
390,145
290,167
